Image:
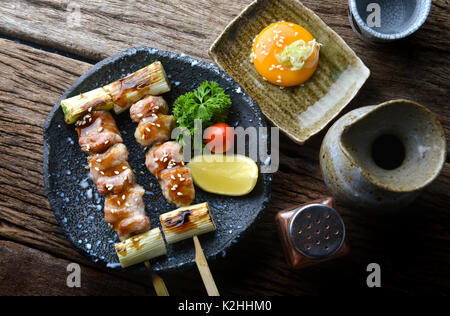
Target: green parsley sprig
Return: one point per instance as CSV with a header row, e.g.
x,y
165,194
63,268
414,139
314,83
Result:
x,y
208,103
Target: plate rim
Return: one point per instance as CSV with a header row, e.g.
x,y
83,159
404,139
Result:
x,y
266,178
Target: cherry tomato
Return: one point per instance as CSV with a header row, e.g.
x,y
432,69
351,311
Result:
x,y
219,138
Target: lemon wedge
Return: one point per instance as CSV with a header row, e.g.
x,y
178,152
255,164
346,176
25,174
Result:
x,y
226,175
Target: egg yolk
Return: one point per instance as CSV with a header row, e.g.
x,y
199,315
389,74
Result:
x,y
270,44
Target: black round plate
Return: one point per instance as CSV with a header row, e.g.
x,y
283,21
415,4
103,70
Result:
x,y
73,197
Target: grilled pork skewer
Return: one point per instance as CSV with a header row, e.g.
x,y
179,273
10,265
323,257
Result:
x,y
124,207
165,158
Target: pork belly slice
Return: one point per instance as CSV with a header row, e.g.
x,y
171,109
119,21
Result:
x,y
125,212
148,106
165,156
177,186
113,180
110,171
114,156
154,129
97,131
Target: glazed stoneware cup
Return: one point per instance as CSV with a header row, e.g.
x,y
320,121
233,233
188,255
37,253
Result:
x,y
382,21
380,157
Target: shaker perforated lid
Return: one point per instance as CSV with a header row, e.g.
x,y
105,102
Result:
x,y
317,231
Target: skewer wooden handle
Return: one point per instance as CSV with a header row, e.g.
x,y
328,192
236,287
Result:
x,y
203,268
158,282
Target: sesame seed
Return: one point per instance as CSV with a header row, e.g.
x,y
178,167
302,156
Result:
x,y
172,177
100,129
124,167
90,109
102,173
179,194
155,160
148,129
158,125
107,142
116,172
97,169
140,115
118,202
124,197
99,160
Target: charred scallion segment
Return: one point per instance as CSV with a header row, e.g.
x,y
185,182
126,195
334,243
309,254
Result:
x,y
76,107
119,95
186,222
140,248
151,80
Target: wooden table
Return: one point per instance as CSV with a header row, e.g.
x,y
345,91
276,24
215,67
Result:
x,y
41,55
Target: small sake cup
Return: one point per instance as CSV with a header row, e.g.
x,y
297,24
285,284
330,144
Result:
x,y
384,21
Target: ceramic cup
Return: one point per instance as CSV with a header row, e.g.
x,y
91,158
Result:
x,y
382,21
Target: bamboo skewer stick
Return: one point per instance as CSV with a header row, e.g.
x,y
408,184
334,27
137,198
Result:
x,y
203,268
142,248
158,282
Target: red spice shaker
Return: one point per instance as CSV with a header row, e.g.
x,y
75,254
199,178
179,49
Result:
x,y
311,233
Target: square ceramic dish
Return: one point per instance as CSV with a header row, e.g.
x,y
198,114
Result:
x,y
302,111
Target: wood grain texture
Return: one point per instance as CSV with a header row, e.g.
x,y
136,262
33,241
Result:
x,y
412,247
40,273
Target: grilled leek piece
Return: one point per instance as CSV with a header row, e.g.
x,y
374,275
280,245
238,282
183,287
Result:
x,y
140,248
119,95
187,222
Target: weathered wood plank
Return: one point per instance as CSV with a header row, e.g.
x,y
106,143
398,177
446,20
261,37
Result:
x,y
33,272
33,81
416,68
